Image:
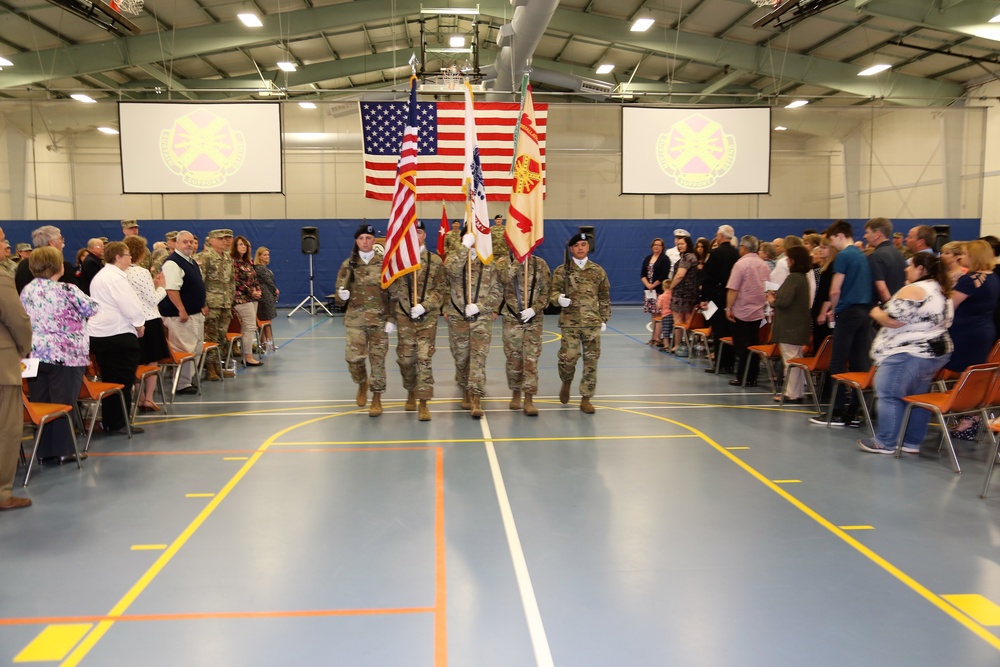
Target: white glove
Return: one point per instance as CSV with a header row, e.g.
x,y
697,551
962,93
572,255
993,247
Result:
x,y
604,326
344,294
390,327
563,301
417,311
527,314
471,309
469,240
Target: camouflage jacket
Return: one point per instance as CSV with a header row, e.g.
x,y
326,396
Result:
x,y
499,236
369,303
486,288
8,265
217,270
589,292
430,283
452,243
534,295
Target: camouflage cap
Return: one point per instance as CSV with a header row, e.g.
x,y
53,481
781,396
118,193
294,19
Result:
x,y
22,247
364,229
129,224
171,236
104,239
220,233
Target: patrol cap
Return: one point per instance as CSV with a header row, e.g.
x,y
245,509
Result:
x,y
576,238
171,236
129,224
104,239
220,233
681,232
420,225
364,228
21,247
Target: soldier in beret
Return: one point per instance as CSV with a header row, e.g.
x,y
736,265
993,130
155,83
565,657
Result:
x,y
417,319
526,293
220,290
366,320
581,288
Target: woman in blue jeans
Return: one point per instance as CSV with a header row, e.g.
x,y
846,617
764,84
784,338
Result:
x,y
911,346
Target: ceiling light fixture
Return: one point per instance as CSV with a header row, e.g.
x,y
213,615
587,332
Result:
x,y
796,104
456,41
86,99
995,19
5,63
250,20
642,25
874,69
307,105
286,66
107,130
780,128
605,69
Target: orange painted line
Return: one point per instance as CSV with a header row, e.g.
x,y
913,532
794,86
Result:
x,y
305,613
440,572
241,452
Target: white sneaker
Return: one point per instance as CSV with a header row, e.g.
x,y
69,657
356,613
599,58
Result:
x,y
873,446
911,449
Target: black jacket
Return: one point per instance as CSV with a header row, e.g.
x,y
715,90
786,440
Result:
x,y
661,270
715,275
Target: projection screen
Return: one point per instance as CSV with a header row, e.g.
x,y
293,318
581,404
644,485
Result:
x,y
177,147
695,151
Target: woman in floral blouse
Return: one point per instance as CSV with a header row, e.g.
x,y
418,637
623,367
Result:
x,y
58,313
247,296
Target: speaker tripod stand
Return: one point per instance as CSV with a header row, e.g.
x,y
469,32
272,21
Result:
x,y
311,300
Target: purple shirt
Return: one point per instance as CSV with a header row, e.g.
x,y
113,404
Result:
x,y
747,279
58,313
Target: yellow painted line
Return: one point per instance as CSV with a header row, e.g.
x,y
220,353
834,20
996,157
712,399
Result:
x,y
148,547
199,495
235,458
914,585
856,527
53,643
981,609
95,635
733,449
436,441
787,481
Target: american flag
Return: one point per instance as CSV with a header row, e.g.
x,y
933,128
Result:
x,y
442,146
402,253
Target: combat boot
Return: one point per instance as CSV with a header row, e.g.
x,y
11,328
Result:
x,y
477,410
564,393
585,405
467,401
362,396
515,400
212,372
529,406
376,409
411,402
423,413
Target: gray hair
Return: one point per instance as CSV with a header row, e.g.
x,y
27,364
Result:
x,y
44,235
750,243
726,231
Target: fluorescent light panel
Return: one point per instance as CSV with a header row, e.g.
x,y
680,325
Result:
x,y
995,19
286,66
107,130
796,104
80,97
780,128
307,105
605,69
5,63
250,20
874,69
456,41
642,25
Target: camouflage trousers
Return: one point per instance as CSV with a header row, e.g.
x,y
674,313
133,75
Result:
x,y
470,344
575,339
371,343
414,349
522,345
217,326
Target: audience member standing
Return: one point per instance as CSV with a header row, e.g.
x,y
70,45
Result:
x,y
151,291
886,263
850,299
745,301
91,265
975,297
684,284
184,308
718,268
15,344
245,297
822,308
792,328
921,239
46,235
217,268
655,270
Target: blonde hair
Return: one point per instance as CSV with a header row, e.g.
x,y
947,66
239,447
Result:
x,y
980,254
260,251
45,262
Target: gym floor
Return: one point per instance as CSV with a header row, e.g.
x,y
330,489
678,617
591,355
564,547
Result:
x,y
271,521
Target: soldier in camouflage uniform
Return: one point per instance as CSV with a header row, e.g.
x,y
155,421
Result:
x,y
585,297
417,320
453,239
499,235
6,263
359,283
220,290
131,228
157,259
470,320
523,303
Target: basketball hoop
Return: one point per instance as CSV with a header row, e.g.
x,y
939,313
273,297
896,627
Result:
x,y
134,7
451,77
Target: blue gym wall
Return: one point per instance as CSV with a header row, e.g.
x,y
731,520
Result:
x,y
621,244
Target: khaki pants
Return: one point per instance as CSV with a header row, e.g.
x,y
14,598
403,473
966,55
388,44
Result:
x,y
11,427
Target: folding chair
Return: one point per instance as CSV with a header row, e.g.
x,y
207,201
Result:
x,y
992,401
234,334
860,382
968,396
697,321
176,362
701,334
206,347
763,336
766,352
818,364
41,414
141,373
265,343
93,392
